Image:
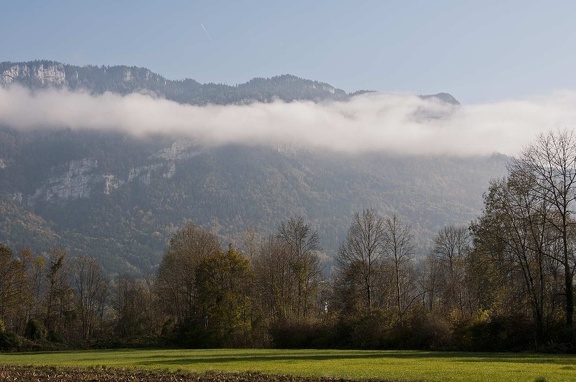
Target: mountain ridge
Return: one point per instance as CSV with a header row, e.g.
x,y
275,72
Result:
x,y
124,80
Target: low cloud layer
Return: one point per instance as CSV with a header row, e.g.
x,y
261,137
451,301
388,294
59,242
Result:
x,y
370,122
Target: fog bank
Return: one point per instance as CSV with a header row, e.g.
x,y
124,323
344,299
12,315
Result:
x,y
369,122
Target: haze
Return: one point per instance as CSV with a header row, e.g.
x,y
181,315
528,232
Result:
x,y
395,123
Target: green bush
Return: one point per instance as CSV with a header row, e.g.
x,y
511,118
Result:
x,y
421,330
301,335
365,330
560,340
35,330
499,333
9,341
54,336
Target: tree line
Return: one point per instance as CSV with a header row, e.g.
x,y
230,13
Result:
x,y
505,282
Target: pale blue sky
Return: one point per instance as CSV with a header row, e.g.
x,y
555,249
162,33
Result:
x,y
479,51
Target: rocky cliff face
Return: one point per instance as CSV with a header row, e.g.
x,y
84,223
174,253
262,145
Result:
x,y
38,74
81,179
118,79
72,180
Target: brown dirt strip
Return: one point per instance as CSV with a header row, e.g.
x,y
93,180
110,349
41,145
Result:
x,y
53,374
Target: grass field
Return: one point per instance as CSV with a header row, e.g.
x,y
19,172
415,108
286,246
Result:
x,y
398,365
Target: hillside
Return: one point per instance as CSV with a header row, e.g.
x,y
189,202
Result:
x,y
120,198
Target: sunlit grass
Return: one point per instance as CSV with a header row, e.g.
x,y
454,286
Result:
x,y
401,365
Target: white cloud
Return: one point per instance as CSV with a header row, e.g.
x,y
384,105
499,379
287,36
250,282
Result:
x,y
383,122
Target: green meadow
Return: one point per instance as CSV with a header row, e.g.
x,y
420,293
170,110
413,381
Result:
x,y
353,364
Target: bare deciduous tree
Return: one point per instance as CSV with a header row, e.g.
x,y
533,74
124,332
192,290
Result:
x,y
302,243
12,286
398,249
92,287
551,162
362,253
451,245
135,303
59,294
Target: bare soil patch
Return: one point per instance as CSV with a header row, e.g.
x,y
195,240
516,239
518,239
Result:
x,y
53,374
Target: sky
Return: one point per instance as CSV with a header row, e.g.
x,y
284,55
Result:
x,y
478,51
510,64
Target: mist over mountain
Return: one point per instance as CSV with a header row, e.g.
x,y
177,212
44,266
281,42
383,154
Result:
x,y
111,161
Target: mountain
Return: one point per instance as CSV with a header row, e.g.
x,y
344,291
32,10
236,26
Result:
x,y
130,79
443,97
120,198
124,80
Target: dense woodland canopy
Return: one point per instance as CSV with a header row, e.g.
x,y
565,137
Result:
x,y
505,282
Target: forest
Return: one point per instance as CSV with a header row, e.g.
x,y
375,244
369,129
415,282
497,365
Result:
x,y
502,283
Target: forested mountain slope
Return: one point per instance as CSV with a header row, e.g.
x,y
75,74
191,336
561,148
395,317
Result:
x,y
120,198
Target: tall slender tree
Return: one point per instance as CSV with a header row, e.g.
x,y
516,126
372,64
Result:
x,y
360,256
13,287
451,246
398,249
302,244
92,288
273,286
59,294
135,305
